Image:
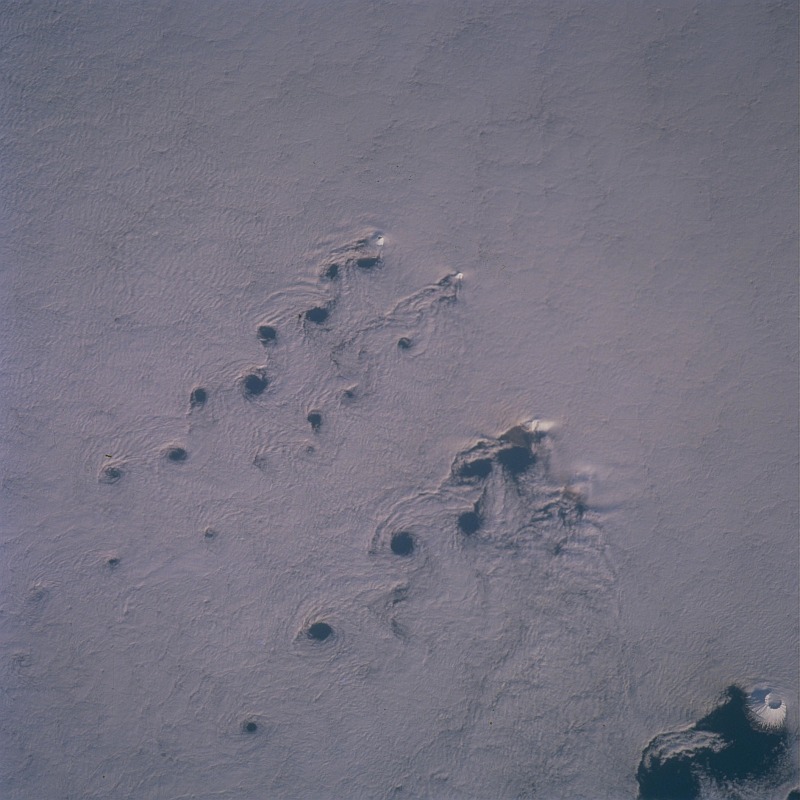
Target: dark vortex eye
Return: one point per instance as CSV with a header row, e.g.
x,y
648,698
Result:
x,y
317,315
254,384
402,544
469,522
110,474
319,631
177,454
266,334
315,420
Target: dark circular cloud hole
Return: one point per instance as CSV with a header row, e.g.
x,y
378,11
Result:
x,y
198,397
315,420
469,522
402,543
250,726
319,631
515,460
254,384
317,315
331,272
176,454
110,474
266,334
404,343
480,468
368,262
